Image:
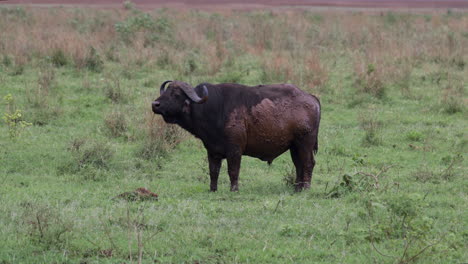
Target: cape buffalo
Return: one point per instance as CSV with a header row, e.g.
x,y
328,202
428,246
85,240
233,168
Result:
x,y
233,120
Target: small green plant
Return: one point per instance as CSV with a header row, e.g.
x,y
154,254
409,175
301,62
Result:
x,y
116,123
372,127
46,226
452,97
351,183
6,60
18,69
153,29
453,163
40,97
390,18
14,118
230,76
16,14
96,154
452,104
159,138
93,61
289,176
128,5
90,159
424,175
371,81
415,136
113,89
400,220
358,182
58,58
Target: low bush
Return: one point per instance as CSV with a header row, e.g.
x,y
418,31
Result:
x,y
13,118
46,226
59,58
372,127
159,138
116,123
89,158
370,80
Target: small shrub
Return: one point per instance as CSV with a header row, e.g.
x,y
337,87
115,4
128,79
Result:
x,y
91,159
6,60
351,183
453,97
111,53
338,150
425,175
390,18
97,154
230,76
58,58
116,123
372,127
452,169
93,61
13,118
401,220
371,81
39,98
128,5
152,30
14,12
18,69
191,63
163,59
113,90
159,138
289,176
402,78
46,226
414,136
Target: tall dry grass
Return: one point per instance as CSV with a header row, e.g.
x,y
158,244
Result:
x,y
293,45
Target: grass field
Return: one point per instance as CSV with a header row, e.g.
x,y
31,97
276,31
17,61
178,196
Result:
x,y
390,184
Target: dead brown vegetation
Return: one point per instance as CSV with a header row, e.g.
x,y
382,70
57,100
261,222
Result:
x,y
380,49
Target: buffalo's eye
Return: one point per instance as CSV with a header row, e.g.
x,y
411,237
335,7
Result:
x,y
178,95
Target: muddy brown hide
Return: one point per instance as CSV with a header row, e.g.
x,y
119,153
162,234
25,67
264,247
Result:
x,y
261,121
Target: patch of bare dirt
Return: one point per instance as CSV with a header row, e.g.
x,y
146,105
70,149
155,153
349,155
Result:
x,y
140,194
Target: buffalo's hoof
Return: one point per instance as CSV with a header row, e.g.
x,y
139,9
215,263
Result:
x,y
298,187
234,188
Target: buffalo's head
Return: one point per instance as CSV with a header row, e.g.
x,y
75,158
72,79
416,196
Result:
x,y
175,99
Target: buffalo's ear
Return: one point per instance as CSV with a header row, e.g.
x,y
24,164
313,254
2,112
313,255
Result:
x,y
186,107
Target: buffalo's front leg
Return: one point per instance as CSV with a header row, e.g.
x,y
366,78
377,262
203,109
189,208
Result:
x,y
215,165
233,171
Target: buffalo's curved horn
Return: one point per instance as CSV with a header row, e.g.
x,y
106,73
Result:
x,y
163,87
190,92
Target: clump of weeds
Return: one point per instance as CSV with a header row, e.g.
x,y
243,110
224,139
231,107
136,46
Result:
x,y
372,127
91,159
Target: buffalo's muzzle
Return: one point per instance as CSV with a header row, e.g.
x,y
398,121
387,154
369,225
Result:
x,y
155,105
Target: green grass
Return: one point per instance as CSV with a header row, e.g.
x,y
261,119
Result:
x,y
404,200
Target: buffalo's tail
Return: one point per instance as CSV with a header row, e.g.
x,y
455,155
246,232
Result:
x,y
317,124
316,147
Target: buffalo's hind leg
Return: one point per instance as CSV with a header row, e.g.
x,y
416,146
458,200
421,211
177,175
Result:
x,y
298,164
303,158
234,162
215,165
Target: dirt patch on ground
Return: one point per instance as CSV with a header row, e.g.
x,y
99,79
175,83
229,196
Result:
x,y
140,194
254,3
